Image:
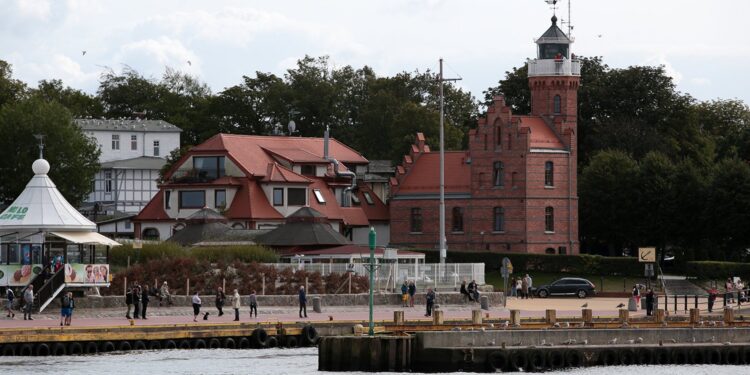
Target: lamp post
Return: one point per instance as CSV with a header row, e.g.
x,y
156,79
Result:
x,y
373,236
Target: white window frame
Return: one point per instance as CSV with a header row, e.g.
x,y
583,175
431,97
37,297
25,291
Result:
x,y
319,196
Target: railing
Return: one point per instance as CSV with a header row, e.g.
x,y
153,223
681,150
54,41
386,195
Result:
x,y
392,275
685,302
50,289
550,67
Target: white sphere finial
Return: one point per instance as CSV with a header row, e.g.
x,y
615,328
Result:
x,y
40,166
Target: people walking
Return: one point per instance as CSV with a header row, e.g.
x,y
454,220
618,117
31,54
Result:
x,y
529,287
164,294
253,304
28,300
712,298
236,305
72,308
649,302
513,289
519,287
129,302
302,302
64,308
10,296
196,306
637,295
144,301
524,287
220,298
404,295
412,292
429,301
136,301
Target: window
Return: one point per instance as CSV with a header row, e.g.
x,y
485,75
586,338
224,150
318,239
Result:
x,y
167,199
562,250
549,220
485,142
133,142
296,196
498,222
355,200
548,174
108,181
151,234
209,167
416,220
220,199
128,224
156,148
498,133
319,196
278,196
513,179
497,174
457,219
308,170
368,198
550,250
556,105
193,199
115,141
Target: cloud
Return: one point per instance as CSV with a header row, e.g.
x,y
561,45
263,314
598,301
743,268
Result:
x,y
668,68
39,9
64,68
164,51
700,81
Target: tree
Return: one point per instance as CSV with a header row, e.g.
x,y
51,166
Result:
x,y
80,104
173,157
11,90
655,208
72,155
728,204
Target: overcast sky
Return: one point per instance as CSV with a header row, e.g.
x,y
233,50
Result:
x,y
702,43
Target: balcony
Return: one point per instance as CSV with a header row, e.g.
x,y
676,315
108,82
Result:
x,y
193,176
552,67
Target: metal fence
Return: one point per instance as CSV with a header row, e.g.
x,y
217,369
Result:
x,y
390,276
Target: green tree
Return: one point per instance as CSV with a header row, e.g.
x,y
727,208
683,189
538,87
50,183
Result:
x,y
728,203
72,155
79,104
11,90
655,208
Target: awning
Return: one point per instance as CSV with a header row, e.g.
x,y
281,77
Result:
x,y
86,238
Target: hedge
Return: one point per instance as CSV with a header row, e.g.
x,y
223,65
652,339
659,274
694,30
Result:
x,y
714,270
168,250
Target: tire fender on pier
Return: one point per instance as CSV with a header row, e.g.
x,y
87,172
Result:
x,y
498,360
272,342
229,343
214,343
59,349
258,338
92,348
555,359
108,346
309,336
75,348
518,360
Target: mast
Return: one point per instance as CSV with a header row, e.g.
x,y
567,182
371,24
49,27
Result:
x,y
442,241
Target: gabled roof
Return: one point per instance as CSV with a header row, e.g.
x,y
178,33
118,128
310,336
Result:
x,y
154,210
279,173
541,136
296,232
424,176
250,203
253,153
197,232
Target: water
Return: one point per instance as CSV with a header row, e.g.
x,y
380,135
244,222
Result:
x,y
269,361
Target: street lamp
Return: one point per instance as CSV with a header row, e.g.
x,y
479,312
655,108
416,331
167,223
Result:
x,y
371,268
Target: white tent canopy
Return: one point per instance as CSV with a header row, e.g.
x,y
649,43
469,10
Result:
x,y
88,238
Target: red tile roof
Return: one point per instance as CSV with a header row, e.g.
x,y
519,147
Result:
x,y
349,249
250,203
424,176
279,173
249,150
542,136
154,210
331,209
377,211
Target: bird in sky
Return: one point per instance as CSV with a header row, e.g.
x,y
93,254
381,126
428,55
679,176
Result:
x,y
83,53
190,63
599,36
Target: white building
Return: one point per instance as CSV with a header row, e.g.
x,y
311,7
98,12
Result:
x,y
132,153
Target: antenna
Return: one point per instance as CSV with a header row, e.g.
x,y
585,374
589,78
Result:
x,y
40,137
568,22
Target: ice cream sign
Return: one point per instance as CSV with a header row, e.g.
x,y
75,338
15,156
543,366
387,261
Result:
x,y
14,213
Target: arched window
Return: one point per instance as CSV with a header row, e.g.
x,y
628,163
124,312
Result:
x,y
178,227
151,234
556,105
549,219
238,225
549,250
549,169
498,174
498,223
416,220
458,219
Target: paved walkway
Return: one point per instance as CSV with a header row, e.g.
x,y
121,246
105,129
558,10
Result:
x,y
567,307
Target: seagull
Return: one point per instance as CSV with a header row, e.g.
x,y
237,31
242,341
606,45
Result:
x,y
585,305
639,340
190,63
599,36
613,341
566,325
621,305
83,53
585,342
631,341
556,325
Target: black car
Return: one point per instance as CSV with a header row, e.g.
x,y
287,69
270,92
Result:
x,y
568,286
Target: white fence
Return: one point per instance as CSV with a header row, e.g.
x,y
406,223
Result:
x,y
390,276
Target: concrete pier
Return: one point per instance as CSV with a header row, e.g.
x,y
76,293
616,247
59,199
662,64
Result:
x,y
379,353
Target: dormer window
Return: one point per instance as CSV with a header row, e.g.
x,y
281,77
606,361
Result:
x,y
368,198
307,170
209,167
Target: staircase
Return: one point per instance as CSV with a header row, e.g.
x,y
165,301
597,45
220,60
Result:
x,y
679,285
54,285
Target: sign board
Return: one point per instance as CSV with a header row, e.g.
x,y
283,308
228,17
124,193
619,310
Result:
x,y
390,254
137,244
647,254
649,272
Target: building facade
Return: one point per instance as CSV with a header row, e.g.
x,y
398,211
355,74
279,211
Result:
x,y
515,188
132,153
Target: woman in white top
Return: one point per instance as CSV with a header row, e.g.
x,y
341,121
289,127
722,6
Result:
x,y
519,288
196,306
236,305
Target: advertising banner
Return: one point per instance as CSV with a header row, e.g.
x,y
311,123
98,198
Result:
x,y
18,275
87,273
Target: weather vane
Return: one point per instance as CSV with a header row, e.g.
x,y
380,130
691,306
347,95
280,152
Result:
x,y
553,4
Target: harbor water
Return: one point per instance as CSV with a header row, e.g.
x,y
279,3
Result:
x,y
301,361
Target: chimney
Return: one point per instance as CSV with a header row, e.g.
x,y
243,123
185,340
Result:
x,y
325,144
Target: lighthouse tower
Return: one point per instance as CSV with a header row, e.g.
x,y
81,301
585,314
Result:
x,y
554,77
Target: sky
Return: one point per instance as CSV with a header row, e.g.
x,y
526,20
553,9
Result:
x,y
701,43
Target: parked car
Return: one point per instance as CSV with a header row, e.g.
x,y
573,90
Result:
x,y
568,286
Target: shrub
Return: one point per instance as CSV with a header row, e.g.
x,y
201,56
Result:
x,y
118,256
714,270
229,254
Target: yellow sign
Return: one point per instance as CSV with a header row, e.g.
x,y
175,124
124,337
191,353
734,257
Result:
x,y
647,254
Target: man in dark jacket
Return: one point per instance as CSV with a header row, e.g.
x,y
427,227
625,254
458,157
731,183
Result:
x,y
144,301
136,301
649,302
220,298
412,292
129,302
302,302
430,299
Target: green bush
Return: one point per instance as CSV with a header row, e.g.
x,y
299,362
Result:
x,y
118,256
229,254
170,250
714,270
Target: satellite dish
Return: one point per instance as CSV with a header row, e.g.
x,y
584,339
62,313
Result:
x,y
292,127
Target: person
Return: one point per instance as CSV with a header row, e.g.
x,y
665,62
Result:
x,y
464,291
220,298
474,290
253,304
649,302
164,294
144,301
136,301
519,287
412,292
430,301
529,287
104,272
302,302
196,306
64,308
404,294
637,295
70,309
513,288
236,305
712,298
129,302
28,299
10,296
524,287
